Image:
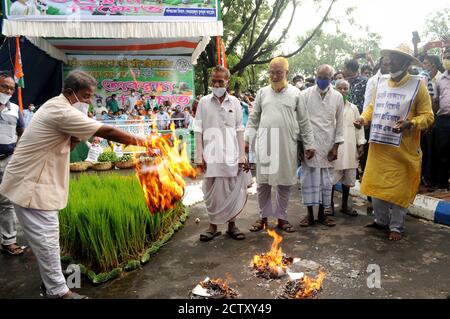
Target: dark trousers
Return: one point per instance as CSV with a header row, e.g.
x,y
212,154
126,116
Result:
x,y
442,142
429,157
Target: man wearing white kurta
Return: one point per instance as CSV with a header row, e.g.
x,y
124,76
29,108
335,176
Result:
x,y
349,153
219,136
278,121
325,106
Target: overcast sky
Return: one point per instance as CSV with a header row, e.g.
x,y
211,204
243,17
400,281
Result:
x,y
394,20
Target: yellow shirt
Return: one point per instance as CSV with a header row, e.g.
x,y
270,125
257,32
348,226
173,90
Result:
x,y
37,176
393,173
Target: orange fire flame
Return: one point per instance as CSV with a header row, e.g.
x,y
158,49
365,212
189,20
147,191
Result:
x,y
272,260
161,176
310,286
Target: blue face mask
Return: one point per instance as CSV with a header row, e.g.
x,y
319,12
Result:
x,y
323,83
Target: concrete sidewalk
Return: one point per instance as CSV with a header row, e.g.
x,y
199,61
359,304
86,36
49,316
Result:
x,y
416,267
429,208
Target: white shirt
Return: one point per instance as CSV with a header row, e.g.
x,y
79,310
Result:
x,y
131,102
347,153
327,120
37,176
162,120
370,89
27,116
19,9
219,125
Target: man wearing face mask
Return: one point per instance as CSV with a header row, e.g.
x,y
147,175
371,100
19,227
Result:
x,y
11,129
219,152
400,108
325,107
442,128
299,82
275,126
36,180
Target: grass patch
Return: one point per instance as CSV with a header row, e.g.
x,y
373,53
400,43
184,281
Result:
x,y
107,226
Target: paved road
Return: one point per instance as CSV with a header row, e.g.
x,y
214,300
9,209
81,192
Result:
x,y
417,267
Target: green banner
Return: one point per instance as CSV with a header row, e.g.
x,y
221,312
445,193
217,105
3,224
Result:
x,y
169,78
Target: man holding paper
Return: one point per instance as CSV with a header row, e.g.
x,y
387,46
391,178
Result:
x,y
399,110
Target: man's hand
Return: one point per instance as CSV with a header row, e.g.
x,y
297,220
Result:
x,y
202,166
401,125
359,123
333,154
74,142
360,151
310,154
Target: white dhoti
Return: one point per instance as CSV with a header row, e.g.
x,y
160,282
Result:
x,y
225,197
317,185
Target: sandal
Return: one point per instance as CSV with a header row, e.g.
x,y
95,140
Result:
x,y
209,235
306,222
73,295
236,234
13,249
349,212
259,225
286,226
327,221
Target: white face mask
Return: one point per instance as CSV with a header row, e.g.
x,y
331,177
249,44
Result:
x,y
396,74
4,98
219,92
81,106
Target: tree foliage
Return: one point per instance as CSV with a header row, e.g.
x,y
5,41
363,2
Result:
x,y
332,49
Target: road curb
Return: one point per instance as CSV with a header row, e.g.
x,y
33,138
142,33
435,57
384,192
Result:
x,y
425,207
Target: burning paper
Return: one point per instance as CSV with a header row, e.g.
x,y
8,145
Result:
x,y
213,289
303,288
274,263
161,174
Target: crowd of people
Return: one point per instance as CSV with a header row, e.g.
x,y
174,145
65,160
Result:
x,y
339,126
359,123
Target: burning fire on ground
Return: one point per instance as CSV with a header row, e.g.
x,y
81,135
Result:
x,y
274,263
303,288
162,168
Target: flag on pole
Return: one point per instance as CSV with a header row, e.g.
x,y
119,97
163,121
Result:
x,y
18,73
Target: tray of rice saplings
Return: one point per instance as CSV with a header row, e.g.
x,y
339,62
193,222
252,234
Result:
x,y
105,161
125,161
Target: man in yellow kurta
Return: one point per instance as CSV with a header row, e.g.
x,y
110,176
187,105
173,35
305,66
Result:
x,y
400,109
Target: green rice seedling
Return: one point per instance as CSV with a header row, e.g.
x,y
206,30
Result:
x,y
107,223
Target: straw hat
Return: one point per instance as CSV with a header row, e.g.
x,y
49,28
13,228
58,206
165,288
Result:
x,y
404,50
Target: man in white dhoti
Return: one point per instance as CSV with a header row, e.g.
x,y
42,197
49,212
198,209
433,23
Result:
x,y
219,142
325,106
277,121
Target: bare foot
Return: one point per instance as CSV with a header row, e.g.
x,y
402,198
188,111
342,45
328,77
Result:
x,y
395,236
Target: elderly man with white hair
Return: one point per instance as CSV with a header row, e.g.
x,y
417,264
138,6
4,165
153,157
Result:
x,y
279,121
350,151
325,106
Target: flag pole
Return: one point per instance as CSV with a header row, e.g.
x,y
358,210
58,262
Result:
x,y
18,73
